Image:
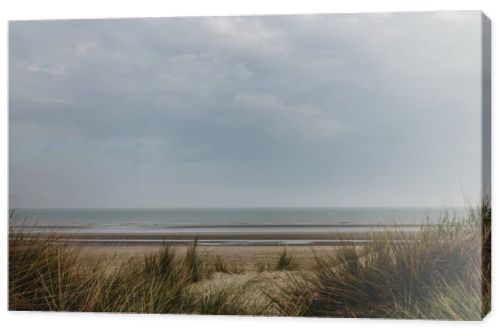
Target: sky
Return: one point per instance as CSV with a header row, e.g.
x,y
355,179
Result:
x,y
257,111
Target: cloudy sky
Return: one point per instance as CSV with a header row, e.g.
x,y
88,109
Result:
x,y
318,110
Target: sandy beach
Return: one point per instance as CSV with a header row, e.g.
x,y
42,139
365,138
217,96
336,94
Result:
x,y
235,237
241,258
240,251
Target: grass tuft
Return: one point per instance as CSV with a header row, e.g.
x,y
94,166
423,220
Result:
x,y
285,261
435,275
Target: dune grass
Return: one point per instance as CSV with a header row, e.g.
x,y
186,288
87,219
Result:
x,y
286,261
436,275
441,272
46,275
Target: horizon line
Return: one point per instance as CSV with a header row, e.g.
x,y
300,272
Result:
x,y
243,207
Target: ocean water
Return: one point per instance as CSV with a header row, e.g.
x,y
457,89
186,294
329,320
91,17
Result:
x,y
224,226
223,219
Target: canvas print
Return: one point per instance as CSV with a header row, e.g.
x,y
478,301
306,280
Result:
x,y
331,165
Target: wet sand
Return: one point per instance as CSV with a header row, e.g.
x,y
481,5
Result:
x,y
233,238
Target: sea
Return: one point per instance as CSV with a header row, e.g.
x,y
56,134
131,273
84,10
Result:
x,y
226,221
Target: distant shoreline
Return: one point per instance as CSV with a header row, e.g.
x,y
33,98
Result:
x,y
345,224
235,237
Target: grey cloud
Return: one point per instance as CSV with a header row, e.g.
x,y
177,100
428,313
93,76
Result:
x,y
358,109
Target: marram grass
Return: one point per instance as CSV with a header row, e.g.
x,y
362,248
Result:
x,y
442,272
